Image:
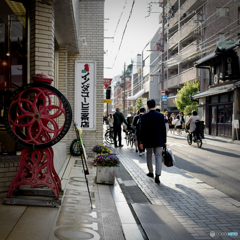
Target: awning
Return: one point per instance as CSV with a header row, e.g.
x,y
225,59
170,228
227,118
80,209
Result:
x,y
215,57
213,92
136,96
209,60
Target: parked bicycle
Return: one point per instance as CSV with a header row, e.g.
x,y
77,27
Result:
x,y
109,135
130,137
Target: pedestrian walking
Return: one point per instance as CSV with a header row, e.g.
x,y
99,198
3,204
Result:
x,y
180,123
158,110
137,124
117,130
171,125
167,120
135,132
187,119
153,138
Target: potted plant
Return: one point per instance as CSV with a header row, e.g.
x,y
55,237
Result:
x,y
101,149
106,165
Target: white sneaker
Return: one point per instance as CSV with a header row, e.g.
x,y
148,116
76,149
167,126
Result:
x,y
140,154
143,153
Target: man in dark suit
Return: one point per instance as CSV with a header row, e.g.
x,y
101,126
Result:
x,y
137,125
153,138
117,122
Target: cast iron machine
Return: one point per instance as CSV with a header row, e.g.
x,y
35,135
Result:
x,y
37,117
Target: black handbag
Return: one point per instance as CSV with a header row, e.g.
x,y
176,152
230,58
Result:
x,y
167,158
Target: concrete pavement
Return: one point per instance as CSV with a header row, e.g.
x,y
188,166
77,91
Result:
x,y
202,210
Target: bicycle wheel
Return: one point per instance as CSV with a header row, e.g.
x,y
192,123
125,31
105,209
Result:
x,y
199,142
108,137
75,148
132,141
189,139
127,139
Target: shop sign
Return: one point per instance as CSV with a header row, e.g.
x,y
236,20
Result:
x,y
85,94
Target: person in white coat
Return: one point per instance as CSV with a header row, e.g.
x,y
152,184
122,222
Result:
x,y
192,121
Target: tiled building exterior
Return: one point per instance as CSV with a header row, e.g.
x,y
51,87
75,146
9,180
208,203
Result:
x,y
90,23
57,34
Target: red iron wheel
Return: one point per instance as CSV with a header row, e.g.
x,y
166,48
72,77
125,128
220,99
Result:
x,y
38,116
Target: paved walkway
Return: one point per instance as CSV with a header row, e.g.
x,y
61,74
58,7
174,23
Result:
x,y
204,211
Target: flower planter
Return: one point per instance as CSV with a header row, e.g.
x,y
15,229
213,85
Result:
x,y
106,175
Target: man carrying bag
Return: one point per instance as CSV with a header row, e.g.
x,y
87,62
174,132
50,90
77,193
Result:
x,y
153,138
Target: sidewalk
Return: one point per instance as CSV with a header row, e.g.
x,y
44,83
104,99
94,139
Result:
x,y
74,219
198,207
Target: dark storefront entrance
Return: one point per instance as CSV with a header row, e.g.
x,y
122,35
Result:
x,y
221,112
221,120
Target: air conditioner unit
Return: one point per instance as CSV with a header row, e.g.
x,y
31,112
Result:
x,y
216,79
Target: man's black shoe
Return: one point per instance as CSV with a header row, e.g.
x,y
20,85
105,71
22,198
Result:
x,y
157,179
116,146
150,175
120,145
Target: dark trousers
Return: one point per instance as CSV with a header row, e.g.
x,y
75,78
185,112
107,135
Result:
x,y
139,149
117,132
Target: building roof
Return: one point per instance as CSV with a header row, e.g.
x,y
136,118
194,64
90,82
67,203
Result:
x,y
215,57
213,91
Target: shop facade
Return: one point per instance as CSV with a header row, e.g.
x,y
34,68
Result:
x,y
219,105
51,37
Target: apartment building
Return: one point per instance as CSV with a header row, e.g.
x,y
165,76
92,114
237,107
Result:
x,y
192,29
122,89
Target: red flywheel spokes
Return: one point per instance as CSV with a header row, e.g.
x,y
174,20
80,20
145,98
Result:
x,y
38,116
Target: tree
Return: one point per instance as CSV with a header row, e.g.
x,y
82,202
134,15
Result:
x,y
138,103
182,100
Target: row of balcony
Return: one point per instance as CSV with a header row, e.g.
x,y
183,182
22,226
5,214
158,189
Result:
x,y
189,5
184,31
177,80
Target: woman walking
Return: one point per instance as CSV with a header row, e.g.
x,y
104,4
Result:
x,y
166,119
172,126
180,123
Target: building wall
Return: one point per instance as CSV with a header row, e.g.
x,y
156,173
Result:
x,y
91,27
42,38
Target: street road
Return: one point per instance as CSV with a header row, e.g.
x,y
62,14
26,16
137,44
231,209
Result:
x,y
217,165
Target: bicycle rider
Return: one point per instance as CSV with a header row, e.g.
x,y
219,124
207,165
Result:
x,y
192,121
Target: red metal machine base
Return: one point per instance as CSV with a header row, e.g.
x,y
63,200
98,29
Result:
x,y
37,169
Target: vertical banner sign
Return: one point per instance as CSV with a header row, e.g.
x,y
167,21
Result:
x,y
85,94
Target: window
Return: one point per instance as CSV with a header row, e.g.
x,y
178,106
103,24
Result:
x,y
222,12
224,98
214,99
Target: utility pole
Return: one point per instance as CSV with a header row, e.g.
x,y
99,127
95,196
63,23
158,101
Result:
x,y
162,74
124,81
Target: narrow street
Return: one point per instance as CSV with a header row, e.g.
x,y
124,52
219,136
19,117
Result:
x,y
215,164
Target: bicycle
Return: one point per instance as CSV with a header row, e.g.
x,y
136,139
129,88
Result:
x,y
129,137
198,138
109,136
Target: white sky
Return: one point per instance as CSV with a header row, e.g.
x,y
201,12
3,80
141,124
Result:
x,y
139,31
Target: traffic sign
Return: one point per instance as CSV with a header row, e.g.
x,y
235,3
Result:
x,y
107,82
164,97
163,91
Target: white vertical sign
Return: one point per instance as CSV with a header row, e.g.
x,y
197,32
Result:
x,y
85,94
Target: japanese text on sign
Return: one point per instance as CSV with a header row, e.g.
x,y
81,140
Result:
x,y
85,94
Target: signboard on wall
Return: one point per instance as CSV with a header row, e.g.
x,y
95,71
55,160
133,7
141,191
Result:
x,y
85,94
